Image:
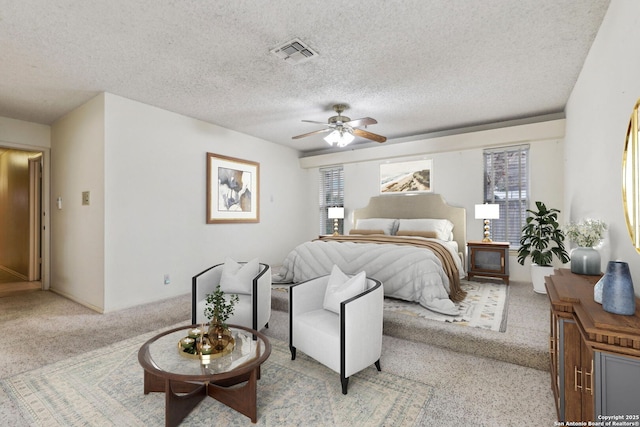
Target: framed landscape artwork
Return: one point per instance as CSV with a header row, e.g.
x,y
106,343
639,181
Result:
x,y
232,190
407,177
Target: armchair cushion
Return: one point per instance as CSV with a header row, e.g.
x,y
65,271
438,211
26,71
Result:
x,y
237,278
342,287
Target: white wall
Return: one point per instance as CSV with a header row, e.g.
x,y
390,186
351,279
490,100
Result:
x,y
598,113
151,195
78,233
20,134
458,170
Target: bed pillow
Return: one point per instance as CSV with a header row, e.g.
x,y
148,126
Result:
x,y
364,232
429,234
442,227
237,278
342,287
387,225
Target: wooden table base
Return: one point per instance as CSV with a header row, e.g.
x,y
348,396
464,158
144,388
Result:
x,y
177,406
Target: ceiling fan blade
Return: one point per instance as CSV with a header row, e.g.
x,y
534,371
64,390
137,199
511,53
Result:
x,y
369,135
313,121
365,121
312,133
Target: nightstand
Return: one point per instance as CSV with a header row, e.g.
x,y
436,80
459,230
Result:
x,y
488,259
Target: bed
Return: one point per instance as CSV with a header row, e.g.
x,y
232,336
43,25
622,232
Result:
x,y
413,244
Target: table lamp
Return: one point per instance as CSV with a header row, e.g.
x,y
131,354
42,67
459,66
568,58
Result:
x,y
487,211
335,214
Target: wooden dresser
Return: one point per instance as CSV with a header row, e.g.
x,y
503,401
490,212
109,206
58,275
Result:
x,y
595,355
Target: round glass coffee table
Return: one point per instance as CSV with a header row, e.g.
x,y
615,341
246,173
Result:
x,y
186,381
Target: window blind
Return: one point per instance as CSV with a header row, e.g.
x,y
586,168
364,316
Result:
x,y
506,183
331,195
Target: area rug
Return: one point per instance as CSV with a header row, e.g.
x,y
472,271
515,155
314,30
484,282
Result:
x,y
485,307
105,388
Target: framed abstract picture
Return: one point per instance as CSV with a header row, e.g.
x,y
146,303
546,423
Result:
x,y
232,190
407,177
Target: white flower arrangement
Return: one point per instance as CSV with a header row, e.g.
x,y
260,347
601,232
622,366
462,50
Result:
x,y
587,233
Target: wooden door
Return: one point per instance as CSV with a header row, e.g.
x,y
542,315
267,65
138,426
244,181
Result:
x,y
35,217
555,361
588,382
572,372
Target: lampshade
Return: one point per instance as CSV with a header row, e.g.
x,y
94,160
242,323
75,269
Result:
x,y
487,211
336,213
340,138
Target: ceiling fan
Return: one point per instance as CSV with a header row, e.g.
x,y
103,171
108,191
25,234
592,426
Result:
x,y
343,129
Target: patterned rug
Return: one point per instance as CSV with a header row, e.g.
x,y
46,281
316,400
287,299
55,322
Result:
x,y
485,307
104,388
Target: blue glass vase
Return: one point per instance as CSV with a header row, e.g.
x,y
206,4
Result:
x,y
618,296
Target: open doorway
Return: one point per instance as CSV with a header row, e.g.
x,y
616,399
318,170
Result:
x,y
20,220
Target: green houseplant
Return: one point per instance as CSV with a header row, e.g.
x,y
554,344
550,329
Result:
x,y
219,308
541,240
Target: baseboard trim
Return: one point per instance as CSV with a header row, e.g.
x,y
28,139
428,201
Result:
x,y
79,301
15,273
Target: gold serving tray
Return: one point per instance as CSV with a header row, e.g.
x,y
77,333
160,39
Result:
x,y
207,357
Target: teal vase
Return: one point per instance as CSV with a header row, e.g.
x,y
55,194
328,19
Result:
x,y
618,296
585,261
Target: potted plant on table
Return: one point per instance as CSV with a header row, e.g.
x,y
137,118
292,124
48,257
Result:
x,y
541,240
218,309
587,234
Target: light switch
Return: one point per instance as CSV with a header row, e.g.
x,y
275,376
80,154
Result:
x,y
85,198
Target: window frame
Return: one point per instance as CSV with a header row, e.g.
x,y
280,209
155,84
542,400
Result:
x,y
511,192
330,194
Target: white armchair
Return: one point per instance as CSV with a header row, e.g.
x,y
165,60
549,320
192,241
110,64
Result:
x,y
253,309
346,342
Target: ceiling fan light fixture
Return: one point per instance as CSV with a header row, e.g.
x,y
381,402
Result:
x,y
339,138
345,139
332,138
343,130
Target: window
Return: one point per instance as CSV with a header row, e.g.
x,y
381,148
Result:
x,y
506,172
331,195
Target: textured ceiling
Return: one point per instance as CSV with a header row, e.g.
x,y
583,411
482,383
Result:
x,y
416,66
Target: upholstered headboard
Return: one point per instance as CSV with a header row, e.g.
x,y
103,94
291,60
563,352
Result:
x,y
427,205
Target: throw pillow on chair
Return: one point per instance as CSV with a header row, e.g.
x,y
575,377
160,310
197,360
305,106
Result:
x,y
236,277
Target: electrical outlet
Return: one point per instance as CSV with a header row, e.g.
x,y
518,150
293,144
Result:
x,y
167,279
86,198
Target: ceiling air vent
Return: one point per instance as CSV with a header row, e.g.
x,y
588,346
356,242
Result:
x,y
294,52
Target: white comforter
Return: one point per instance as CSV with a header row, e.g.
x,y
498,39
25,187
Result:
x,y
406,272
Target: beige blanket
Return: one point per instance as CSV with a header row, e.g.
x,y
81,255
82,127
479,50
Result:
x,y
448,264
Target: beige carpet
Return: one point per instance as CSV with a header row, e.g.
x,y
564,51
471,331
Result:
x,y
525,341
468,390
484,307
62,328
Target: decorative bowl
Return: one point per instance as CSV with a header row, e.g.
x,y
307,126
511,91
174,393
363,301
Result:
x,y
187,342
206,349
195,332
